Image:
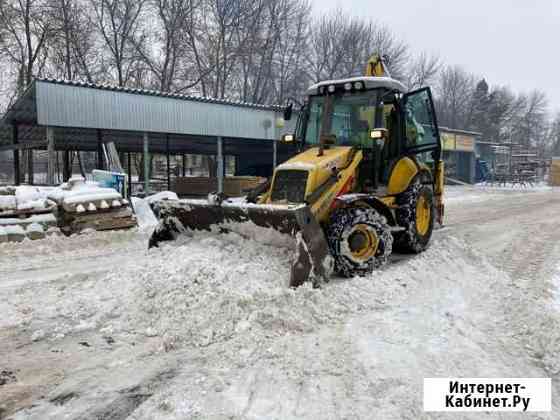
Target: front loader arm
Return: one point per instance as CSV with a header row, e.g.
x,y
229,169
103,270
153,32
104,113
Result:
x,y
343,181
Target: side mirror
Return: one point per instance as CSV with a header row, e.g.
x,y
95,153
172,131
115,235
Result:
x,y
288,138
378,133
288,112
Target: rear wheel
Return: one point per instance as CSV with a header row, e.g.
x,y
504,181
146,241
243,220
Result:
x,y
360,240
416,215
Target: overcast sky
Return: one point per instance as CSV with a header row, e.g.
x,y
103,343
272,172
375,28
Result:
x,y
509,42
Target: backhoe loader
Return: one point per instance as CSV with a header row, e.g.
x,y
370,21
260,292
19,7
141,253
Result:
x,y
367,178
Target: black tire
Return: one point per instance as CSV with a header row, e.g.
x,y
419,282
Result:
x,y
344,225
411,239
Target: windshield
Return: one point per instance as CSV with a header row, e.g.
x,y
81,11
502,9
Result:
x,y
352,117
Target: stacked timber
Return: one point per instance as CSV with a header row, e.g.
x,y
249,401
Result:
x,y
554,177
33,212
86,206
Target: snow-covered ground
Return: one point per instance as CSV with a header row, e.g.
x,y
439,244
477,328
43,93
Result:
x,y
97,326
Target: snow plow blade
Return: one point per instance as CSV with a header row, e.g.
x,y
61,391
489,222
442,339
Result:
x,y
312,261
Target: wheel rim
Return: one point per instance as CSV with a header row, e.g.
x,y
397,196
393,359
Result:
x,y
363,242
423,215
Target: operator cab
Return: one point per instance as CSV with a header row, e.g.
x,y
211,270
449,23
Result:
x,y
373,114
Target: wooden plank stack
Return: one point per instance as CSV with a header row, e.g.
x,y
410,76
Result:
x,y
554,177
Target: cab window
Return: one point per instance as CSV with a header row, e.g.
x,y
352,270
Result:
x,y
420,128
353,115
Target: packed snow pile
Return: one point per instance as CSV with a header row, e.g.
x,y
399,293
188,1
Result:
x,y
162,195
24,198
228,298
144,215
212,288
78,191
25,212
207,327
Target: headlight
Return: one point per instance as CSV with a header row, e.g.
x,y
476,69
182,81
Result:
x,y
322,90
358,85
331,88
348,86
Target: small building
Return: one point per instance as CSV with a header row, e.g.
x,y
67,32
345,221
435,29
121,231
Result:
x,y
459,153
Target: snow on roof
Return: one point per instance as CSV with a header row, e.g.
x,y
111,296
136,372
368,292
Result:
x,y
370,82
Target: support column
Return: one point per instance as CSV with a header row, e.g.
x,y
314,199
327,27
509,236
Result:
x,y
167,162
51,159
129,167
100,150
15,140
66,170
184,164
220,165
146,165
30,177
274,154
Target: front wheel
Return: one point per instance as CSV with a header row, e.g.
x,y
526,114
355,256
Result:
x,y
416,215
359,239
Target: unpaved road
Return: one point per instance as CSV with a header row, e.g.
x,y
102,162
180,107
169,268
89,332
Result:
x,y
112,331
519,231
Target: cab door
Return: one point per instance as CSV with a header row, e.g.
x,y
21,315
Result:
x,y
421,133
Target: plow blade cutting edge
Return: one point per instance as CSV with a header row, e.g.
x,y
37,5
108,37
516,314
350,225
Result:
x,y
312,261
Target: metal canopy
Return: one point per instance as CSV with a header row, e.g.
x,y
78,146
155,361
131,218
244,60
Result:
x,y
56,115
58,103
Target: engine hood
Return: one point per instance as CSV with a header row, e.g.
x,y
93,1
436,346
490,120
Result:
x,y
320,168
309,160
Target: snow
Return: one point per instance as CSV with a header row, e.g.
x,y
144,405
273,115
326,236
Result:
x,y
85,195
28,193
47,218
14,230
163,195
144,214
296,166
7,202
35,231
208,329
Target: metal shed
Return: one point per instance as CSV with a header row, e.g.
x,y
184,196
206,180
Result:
x,y
58,115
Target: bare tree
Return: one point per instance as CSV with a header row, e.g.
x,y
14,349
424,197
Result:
x,y
270,40
118,22
422,70
341,45
218,43
73,50
169,40
289,73
454,100
529,129
26,31
554,135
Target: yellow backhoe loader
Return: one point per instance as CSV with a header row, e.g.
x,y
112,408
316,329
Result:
x,y
367,179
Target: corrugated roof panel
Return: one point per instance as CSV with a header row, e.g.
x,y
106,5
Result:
x,y
67,105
